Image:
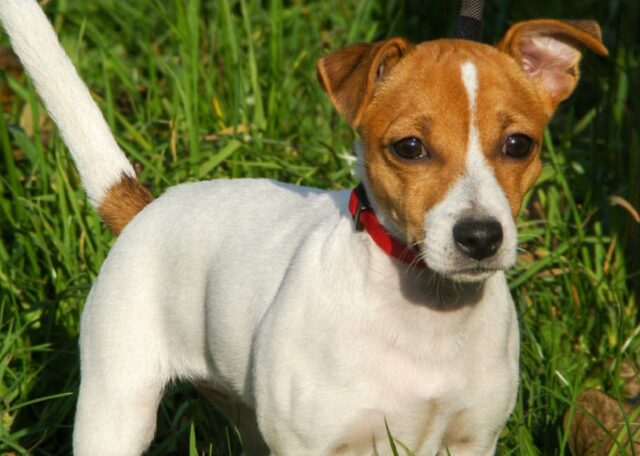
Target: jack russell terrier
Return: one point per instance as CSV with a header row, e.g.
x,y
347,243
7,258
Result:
x,y
320,318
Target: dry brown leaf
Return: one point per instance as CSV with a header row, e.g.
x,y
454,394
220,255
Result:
x,y
597,417
229,131
9,61
631,377
620,201
26,120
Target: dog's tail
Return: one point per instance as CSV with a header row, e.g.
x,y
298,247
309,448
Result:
x,y
108,177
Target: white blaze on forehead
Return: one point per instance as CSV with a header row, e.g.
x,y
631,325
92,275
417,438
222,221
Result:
x,y
470,81
474,149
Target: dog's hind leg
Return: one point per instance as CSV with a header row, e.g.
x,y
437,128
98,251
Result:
x,y
122,384
116,419
125,366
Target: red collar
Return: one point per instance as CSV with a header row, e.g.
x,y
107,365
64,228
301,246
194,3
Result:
x,y
365,220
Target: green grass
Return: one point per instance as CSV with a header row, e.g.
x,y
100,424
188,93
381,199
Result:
x,y
197,89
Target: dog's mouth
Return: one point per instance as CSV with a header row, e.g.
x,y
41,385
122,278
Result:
x,y
471,274
473,271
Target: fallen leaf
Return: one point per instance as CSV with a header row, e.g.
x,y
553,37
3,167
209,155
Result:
x,y
596,422
9,61
620,201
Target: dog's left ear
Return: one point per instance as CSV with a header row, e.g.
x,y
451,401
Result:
x,y
549,52
350,75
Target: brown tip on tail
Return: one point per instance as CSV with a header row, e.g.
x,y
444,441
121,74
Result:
x,y
122,202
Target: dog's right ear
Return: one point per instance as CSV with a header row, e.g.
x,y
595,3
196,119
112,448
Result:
x,y
350,75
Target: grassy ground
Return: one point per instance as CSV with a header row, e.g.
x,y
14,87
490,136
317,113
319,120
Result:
x,y
201,89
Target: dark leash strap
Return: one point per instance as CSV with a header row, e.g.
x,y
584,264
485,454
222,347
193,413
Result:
x,y
469,23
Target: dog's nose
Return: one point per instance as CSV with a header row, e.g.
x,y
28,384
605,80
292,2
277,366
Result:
x,y
478,239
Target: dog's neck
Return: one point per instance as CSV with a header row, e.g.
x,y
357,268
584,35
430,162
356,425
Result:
x,y
392,228
418,283
365,219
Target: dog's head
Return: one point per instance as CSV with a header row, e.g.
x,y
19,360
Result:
x,y
452,130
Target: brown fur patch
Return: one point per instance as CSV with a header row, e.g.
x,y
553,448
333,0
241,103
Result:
x,y
122,202
425,97
349,76
393,90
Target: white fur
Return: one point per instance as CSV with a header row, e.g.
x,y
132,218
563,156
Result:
x,y
98,158
265,293
476,193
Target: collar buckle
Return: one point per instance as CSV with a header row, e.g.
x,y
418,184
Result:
x,y
362,205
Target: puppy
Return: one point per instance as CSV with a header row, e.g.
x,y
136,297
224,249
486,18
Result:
x,y
319,318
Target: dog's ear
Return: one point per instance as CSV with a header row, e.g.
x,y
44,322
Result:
x,y
549,52
350,75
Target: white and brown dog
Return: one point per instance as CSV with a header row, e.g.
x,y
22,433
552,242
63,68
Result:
x,y
306,310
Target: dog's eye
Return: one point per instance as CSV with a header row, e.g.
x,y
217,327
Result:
x,y
517,146
410,148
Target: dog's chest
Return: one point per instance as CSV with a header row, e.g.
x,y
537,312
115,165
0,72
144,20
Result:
x,y
437,378
355,348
